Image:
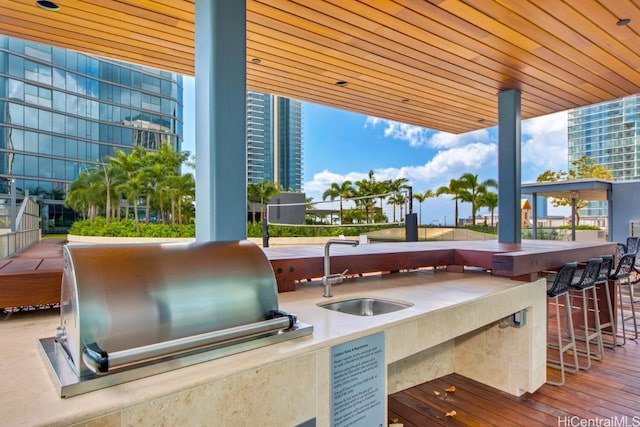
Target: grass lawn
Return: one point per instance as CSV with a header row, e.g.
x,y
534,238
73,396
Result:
x,y
54,236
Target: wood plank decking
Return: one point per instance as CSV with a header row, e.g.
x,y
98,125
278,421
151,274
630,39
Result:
x,y
606,395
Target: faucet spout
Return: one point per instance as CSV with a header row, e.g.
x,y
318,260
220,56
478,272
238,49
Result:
x,y
331,279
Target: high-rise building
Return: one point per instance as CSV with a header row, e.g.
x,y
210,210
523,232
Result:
x,y
609,133
62,112
274,140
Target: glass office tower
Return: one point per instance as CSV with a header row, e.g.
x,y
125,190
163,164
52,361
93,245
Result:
x,y
609,133
274,140
62,112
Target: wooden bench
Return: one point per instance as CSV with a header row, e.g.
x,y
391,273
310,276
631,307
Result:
x,y
30,281
30,288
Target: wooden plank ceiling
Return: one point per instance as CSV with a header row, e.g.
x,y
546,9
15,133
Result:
x,y
437,64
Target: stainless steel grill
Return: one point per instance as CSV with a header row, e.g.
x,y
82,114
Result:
x,y
132,311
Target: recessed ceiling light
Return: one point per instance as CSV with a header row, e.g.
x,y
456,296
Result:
x,y
256,60
48,5
623,22
342,83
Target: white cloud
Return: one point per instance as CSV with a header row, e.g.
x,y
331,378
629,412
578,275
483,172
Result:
x,y
544,146
420,137
414,135
446,164
449,140
323,180
544,142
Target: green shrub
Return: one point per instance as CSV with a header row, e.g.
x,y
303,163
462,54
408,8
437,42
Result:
x,y
255,230
482,229
542,234
580,227
127,228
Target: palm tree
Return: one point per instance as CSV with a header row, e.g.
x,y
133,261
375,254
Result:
x,y
396,186
111,179
339,191
78,196
454,189
181,190
421,197
157,168
128,165
87,193
133,191
397,199
382,190
261,193
154,175
367,187
472,191
489,200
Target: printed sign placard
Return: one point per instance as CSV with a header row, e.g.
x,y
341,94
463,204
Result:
x,y
358,383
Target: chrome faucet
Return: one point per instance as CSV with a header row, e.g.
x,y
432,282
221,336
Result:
x,y
333,279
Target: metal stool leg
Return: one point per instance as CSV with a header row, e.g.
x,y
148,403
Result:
x,y
611,323
590,333
598,331
624,319
572,337
561,347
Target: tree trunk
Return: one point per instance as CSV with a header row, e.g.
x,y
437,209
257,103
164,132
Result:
x,y
135,215
180,216
107,208
473,213
173,211
147,209
456,215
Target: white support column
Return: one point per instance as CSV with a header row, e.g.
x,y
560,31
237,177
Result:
x,y
221,144
509,176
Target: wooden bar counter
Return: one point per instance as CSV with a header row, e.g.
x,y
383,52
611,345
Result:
x,y
522,261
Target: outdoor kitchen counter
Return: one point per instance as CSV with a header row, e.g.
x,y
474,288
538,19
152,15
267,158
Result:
x,y
455,325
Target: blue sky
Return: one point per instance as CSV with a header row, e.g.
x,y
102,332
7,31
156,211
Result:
x,y
339,145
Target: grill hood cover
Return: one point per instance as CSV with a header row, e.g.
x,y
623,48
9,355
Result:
x,y
122,305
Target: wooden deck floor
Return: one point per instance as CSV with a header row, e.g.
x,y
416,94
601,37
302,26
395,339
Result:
x,y
608,393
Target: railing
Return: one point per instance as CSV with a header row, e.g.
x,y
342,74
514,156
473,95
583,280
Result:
x,y
25,231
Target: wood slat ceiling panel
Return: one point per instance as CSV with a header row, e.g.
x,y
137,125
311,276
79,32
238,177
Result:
x,y
385,87
433,63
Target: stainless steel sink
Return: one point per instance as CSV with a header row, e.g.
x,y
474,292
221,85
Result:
x,y
365,306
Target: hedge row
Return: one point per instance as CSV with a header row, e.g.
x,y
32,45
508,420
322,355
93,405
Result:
x,y
127,228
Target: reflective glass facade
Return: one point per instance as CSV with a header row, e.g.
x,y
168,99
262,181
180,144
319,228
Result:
x,y
609,133
289,144
274,140
63,111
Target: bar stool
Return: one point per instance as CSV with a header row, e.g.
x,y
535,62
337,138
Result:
x,y
558,289
580,287
603,282
633,244
621,278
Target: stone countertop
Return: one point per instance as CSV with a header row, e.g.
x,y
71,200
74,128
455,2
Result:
x,y
29,397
